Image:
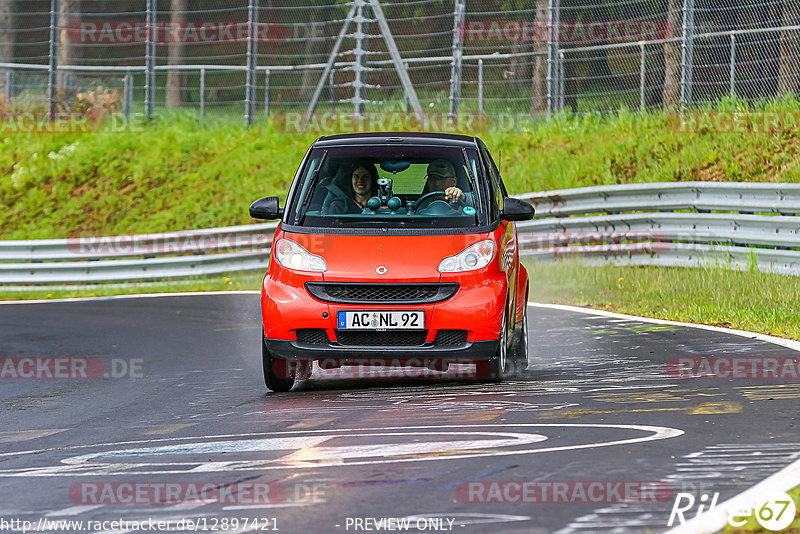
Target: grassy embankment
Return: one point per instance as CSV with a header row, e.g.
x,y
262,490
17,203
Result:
x,y
178,173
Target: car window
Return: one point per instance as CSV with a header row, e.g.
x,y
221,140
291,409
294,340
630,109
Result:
x,y
496,187
388,186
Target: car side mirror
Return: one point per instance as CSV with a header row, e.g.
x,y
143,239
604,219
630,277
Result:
x,y
515,209
267,209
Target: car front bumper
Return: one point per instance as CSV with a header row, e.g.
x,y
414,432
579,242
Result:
x,y
467,352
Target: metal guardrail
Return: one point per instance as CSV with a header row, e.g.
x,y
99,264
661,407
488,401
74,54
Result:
x,y
671,224
136,257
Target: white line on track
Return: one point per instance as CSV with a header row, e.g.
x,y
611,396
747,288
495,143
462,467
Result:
x,y
788,343
784,480
716,519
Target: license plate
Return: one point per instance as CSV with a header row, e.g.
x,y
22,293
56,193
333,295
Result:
x,y
381,320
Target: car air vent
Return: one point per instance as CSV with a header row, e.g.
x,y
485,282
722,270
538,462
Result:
x,y
354,293
382,339
312,336
450,337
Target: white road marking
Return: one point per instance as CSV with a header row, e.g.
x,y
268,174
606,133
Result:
x,y
383,453
788,343
716,519
74,510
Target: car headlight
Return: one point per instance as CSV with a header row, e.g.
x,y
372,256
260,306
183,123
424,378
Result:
x,y
473,257
292,256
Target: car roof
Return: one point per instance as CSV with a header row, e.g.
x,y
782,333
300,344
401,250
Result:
x,y
379,138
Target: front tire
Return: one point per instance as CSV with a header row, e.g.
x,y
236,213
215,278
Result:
x,y
278,373
495,368
519,352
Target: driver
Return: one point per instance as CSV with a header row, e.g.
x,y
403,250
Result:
x,y
442,177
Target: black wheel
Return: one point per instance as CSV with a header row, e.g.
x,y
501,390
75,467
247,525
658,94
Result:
x,y
519,351
279,374
495,368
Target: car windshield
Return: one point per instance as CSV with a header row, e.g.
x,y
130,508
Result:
x,y
388,187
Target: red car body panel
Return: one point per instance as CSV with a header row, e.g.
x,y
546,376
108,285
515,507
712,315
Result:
x,y
287,306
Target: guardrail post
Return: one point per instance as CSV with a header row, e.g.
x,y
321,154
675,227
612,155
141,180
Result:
x,y
733,65
127,99
642,76
52,70
150,61
252,50
267,90
687,54
9,85
480,86
202,93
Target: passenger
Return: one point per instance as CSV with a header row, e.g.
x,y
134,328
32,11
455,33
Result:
x,y
442,177
351,189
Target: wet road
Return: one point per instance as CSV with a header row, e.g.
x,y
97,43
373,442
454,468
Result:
x,y
175,402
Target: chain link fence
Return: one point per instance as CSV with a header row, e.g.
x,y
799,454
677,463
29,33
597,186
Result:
x,y
255,58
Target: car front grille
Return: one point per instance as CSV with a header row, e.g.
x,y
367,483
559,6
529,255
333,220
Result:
x,y
450,337
357,293
312,336
382,339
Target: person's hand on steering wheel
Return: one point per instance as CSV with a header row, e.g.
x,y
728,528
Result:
x,y
454,195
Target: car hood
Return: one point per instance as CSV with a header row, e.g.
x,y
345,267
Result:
x,y
358,258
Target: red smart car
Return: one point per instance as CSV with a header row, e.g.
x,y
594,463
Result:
x,y
397,248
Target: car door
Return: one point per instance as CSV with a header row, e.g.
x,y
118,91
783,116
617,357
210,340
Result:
x,y
508,244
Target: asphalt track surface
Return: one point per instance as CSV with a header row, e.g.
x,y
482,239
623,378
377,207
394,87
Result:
x,y
595,404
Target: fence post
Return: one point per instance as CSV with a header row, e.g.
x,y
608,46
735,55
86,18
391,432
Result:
x,y
252,59
359,61
150,61
642,76
561,78
68,83
458,61
733,65
202,93
687,53
267,95
553,24
9,85
128,96
332,91
406,100
480,87
52,71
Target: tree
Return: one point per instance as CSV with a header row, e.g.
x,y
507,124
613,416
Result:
x,y
175,55
539,70
6,33
68,15
672,56
789,64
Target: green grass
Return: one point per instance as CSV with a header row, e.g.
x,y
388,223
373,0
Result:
x,y
754,301
183,173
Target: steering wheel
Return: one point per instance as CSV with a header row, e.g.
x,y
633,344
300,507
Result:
x,y
429,198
